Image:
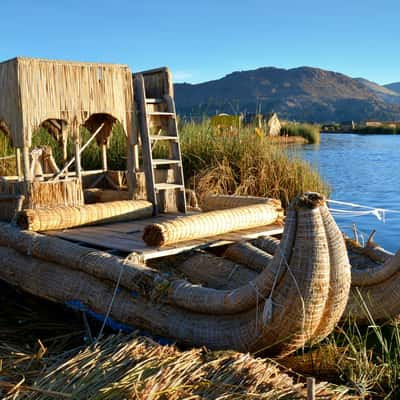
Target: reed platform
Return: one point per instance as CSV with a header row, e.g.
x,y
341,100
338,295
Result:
x,y
126,237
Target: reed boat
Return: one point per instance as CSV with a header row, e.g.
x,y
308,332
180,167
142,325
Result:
x,y
375,276
375,279
297,299
102,240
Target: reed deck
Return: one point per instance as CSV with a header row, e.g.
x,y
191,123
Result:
x,y
126,237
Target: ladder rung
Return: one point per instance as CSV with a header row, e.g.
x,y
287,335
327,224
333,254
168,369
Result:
x,y
162,137
161,114
154,101
168,186
162,161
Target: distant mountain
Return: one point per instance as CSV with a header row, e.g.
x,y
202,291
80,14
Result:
x,y
395,87
303,94
383,92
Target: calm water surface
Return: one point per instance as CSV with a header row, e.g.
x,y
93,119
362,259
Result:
x,y
362,169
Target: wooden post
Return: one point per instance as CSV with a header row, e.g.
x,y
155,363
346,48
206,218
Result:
x,y
104,157
131,177
136,157
78,168
26,164
18,164
310,388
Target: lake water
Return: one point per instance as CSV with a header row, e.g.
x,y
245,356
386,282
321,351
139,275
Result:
x,y
362,169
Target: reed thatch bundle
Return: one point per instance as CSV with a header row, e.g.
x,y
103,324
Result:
x,y
210,224
129,367
215,272
248,255
375,286
267,243
281,315
224,202
67,217
100,264
67,91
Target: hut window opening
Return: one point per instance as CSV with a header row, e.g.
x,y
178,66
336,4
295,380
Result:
x,y
7,152
104,160
48,150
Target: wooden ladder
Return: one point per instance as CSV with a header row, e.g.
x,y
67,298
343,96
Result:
x,y
157,122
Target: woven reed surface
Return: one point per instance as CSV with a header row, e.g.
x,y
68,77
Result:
x,y
371,266
267,243
209,224
45,194
206,300
94,262
340,277
224,202
45,89
215,272
375,292
280,319
67,217
248,255
61,193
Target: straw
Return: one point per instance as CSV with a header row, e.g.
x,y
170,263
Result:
x,y
210,224
68,217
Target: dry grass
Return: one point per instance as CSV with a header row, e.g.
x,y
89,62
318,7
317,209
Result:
x,y
244,163
43,355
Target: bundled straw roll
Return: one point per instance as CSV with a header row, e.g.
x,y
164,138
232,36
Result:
x,y
210,224
248,255
64,217
216,272
267,243
224,202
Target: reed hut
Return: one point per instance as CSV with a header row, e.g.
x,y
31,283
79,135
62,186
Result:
x,y
61,97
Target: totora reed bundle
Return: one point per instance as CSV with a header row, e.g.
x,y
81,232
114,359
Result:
x,y
63,217
222,202
297,299
210,224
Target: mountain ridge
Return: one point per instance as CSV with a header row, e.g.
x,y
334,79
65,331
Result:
x,y
301,93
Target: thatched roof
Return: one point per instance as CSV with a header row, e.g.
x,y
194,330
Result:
x,y
36,90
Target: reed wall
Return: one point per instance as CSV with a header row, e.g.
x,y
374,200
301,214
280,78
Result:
x,y
37,90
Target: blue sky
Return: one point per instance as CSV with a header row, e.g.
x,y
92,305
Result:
x,y
203,40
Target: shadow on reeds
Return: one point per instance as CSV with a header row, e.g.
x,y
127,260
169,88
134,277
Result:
x,y
44,356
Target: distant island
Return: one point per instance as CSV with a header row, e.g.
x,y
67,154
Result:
x,y
302,94
371,127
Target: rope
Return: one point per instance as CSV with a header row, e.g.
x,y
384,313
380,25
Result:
x,y
258,295
379,213
112,299
268,308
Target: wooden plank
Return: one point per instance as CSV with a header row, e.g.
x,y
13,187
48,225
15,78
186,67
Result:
x,y
98,241
127,237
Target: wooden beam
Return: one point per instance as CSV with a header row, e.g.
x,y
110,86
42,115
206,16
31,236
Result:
x,y
26,164
18,162
104,157
77,156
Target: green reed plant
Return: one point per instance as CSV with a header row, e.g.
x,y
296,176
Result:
x,y
310,132
241,162
363,357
